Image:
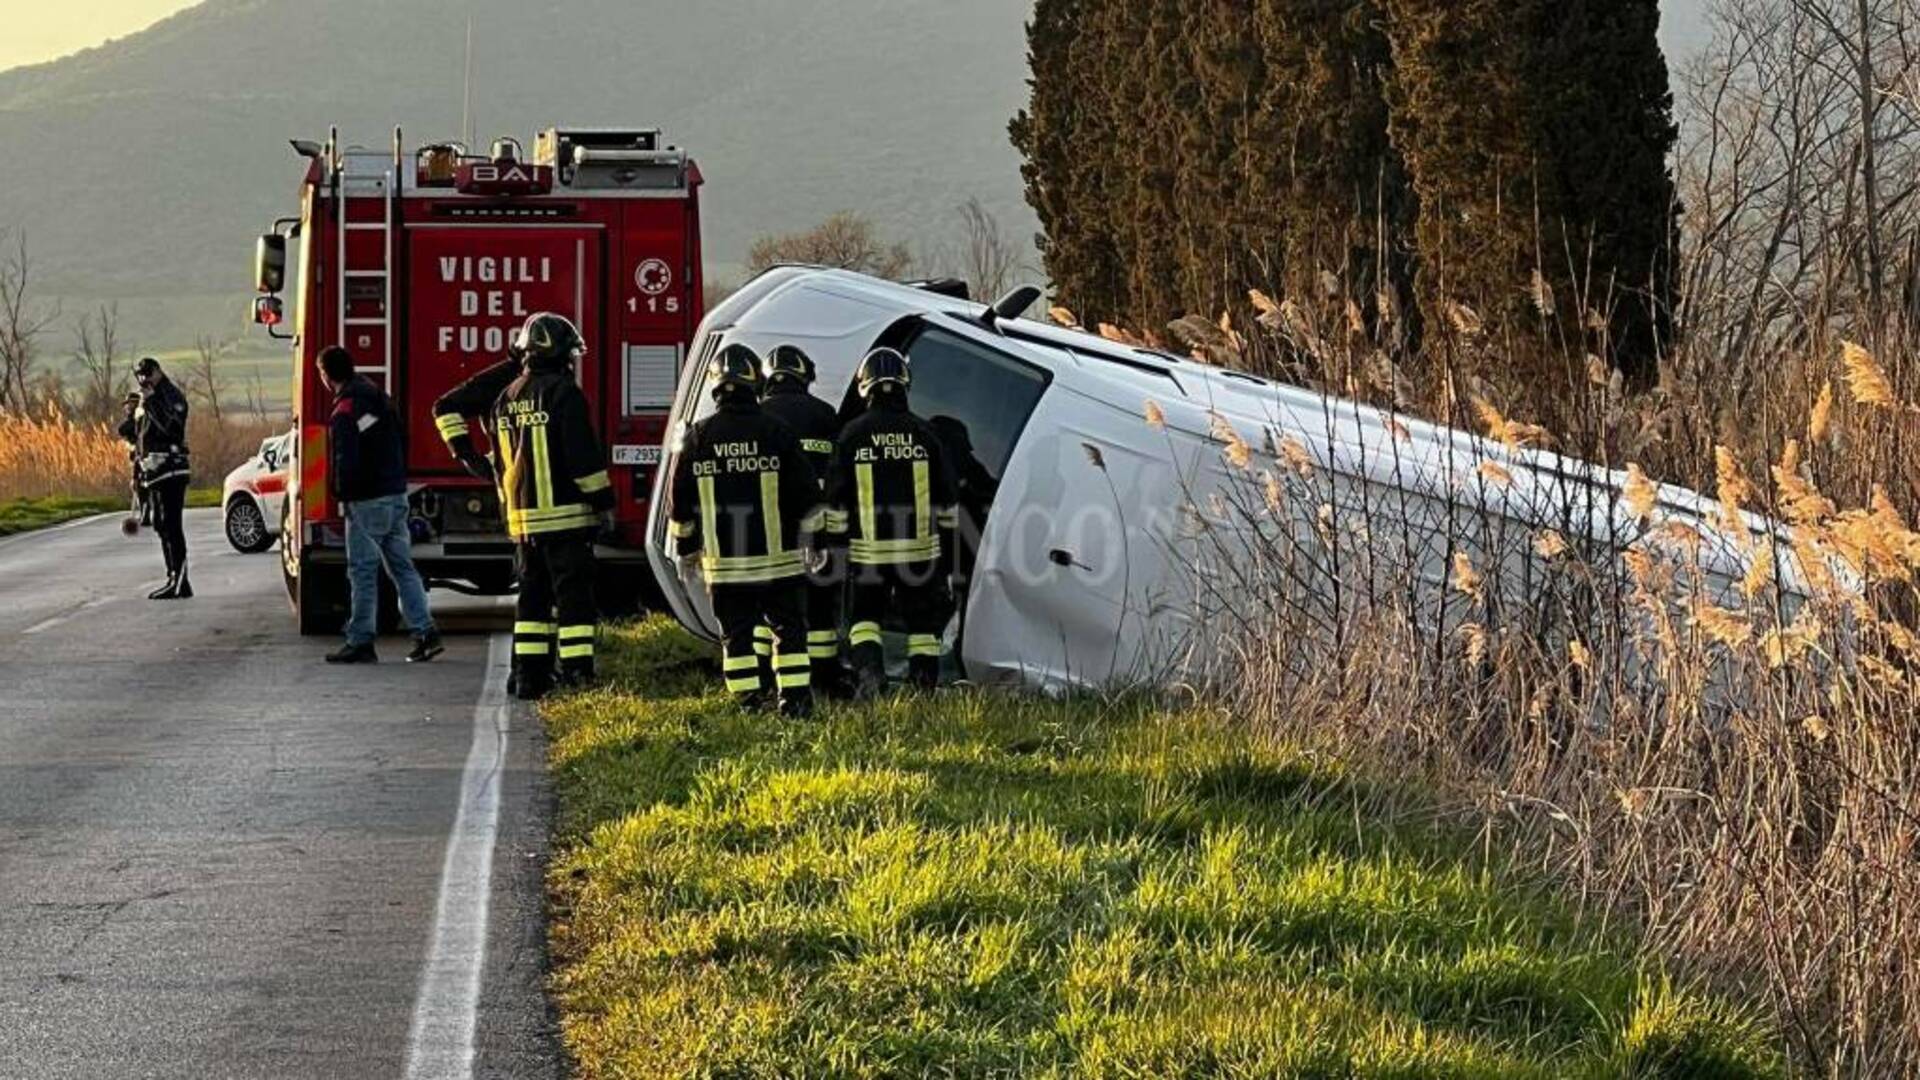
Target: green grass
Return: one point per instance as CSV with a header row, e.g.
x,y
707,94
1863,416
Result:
x,y
990,885
26,515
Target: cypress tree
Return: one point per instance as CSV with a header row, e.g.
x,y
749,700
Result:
x,y
1323,175
1225,73
1062,137
1536,134
1607,126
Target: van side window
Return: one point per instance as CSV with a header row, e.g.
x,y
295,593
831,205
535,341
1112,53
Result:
x,y
974,395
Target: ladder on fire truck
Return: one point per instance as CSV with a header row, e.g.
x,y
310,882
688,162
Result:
x,y
369,188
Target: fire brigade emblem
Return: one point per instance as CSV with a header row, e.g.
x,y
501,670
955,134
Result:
x,y
653,277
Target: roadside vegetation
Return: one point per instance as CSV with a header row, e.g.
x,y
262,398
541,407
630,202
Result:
x,y
26,515
51,459
990,885
1701,725
47,455
59,410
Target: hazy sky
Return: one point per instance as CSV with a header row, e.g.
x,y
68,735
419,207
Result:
x,y
43,31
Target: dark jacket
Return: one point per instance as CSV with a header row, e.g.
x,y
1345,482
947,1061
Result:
x,y
553,470
369,445
892,495
474,398
814,422
744,497
157,431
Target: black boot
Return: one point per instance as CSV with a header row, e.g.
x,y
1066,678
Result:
x,y
923,673
354,654
427,647
869,672
167,591
182,590
796,704
531,680
831,680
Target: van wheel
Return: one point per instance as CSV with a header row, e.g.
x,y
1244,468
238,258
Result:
x,y
247,527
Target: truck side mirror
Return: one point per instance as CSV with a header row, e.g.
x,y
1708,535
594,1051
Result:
x,y
270,263
268,311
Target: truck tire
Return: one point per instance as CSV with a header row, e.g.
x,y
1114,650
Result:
x,y
320,594
320,599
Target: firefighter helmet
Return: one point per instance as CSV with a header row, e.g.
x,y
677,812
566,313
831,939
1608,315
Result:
x,y
790,362
883,368
736,368
547,338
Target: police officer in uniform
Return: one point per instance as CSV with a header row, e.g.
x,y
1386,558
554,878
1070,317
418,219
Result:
x,y
155,426
892,499
789,399
555,487
746,501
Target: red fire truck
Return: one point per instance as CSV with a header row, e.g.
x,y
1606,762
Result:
x,y
422,264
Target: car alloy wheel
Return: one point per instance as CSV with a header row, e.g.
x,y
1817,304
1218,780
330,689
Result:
x,y
247,526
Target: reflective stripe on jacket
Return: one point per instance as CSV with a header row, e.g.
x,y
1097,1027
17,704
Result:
x,y
473,398
892,491
553,472
744,498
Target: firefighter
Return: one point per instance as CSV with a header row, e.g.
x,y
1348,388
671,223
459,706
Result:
x,y
789,399
745,499
555,490
474,398
155,425
891,500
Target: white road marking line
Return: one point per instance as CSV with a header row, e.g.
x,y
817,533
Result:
x,y
48,624
447,1009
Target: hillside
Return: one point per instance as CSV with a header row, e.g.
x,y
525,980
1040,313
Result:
x,y
142,168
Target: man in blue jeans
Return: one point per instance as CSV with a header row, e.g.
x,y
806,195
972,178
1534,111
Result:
x,y
369,471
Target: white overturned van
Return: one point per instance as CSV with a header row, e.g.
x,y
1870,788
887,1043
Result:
x,y
1119,526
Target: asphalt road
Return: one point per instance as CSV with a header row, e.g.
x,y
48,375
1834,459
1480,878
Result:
x,y
220,857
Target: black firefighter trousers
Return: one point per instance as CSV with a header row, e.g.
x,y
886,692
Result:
x,y
822,597
774,612
917,593
556,614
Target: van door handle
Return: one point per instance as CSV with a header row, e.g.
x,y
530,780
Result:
x,y
1063,557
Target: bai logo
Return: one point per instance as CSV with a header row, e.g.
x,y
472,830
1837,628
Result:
x,y
503,174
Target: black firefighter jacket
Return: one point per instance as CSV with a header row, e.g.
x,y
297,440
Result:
x,y
891,497
744,497
553,471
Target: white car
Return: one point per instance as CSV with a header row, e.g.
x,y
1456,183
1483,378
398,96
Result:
x,y
254,493
1107,474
